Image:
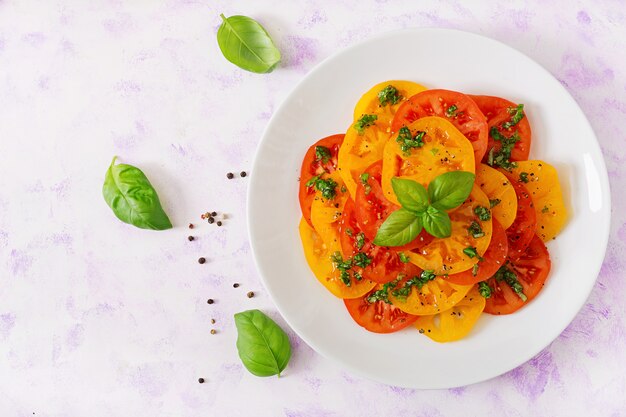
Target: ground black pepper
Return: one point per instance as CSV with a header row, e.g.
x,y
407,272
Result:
x,y
230,175
250,294
210,301
243,173
201,260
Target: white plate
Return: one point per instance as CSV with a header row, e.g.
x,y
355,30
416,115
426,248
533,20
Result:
x,y
322,104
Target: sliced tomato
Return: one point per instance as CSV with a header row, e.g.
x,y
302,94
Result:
x,y
379,316
522,231
373,208
456,107
531,269
489,263
497,111
500,191
433,297
385,263
312,166
454,323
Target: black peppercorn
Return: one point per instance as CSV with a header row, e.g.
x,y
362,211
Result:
x,y
230,175
190,238
235,285
211,220
213,213
201,380
210,301
243,173
191,225
250,294
201,260
219,223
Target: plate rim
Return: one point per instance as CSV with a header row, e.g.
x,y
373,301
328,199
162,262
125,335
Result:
x,y
600,168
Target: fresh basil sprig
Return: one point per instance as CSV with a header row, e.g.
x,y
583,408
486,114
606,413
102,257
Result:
x,y
423,208
132,198
245,43
263,346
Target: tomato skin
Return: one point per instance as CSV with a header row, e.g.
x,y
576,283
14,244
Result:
x,y
311,168
522,231
493,259
467,118
378,317
532,269
373,208
495,110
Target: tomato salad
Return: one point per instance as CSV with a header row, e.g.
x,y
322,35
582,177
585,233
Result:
x,y
427,212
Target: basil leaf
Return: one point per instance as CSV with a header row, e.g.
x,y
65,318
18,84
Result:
x,y
263,346
132,198
411,194
400,228
437,222
245,43
451,189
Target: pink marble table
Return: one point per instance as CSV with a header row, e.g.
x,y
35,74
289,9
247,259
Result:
x,y
101,319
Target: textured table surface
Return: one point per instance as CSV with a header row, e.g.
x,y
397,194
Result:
x,y
98,318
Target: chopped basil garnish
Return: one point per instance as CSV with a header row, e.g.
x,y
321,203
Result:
x,y
383,293
389,94
502,157
327,187
365,121
523,177
484,289
416,281
470,251
360,240
475,270
545,209
509,277
475,230
434,151
364,177
407,141
322,153
517,115
403,258
450,111
361,260
494,202
483,213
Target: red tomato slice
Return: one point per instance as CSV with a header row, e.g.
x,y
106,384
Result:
x,y
373,208
312,167
492,260
522,231
456,107
496,110
385,264
378,317
531,269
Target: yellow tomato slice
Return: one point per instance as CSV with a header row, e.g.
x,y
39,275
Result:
x,y
369,103
359,151
455,323
318,256
445,256
326,213
434,297
497,187
445,149
545,190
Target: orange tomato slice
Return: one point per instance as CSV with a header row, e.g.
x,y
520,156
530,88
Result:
x,y
445,256
369,103
445,149
545,190
454,323
497,187
318,256
434,297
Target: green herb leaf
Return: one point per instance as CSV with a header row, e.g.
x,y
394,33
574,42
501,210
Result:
x,y
383,293
451,111
403,258
245,43
451,189
475,270
389,95
470,251
360,240
523,177
417,281
361,260
482,213
322,153
132,198
364,177
494,202
411,194
400,228
263,346
365,121
484,289
327,187
407,141
517,115
507,275
475,230
545,209
502,157
437,222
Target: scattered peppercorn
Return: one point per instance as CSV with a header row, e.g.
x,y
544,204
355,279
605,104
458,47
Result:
x,y
250,294
201,380
191,225
212,321
213,331
243,173
230,175
210,301
211,220
213,213
201,260
219,223
190,238
235,285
